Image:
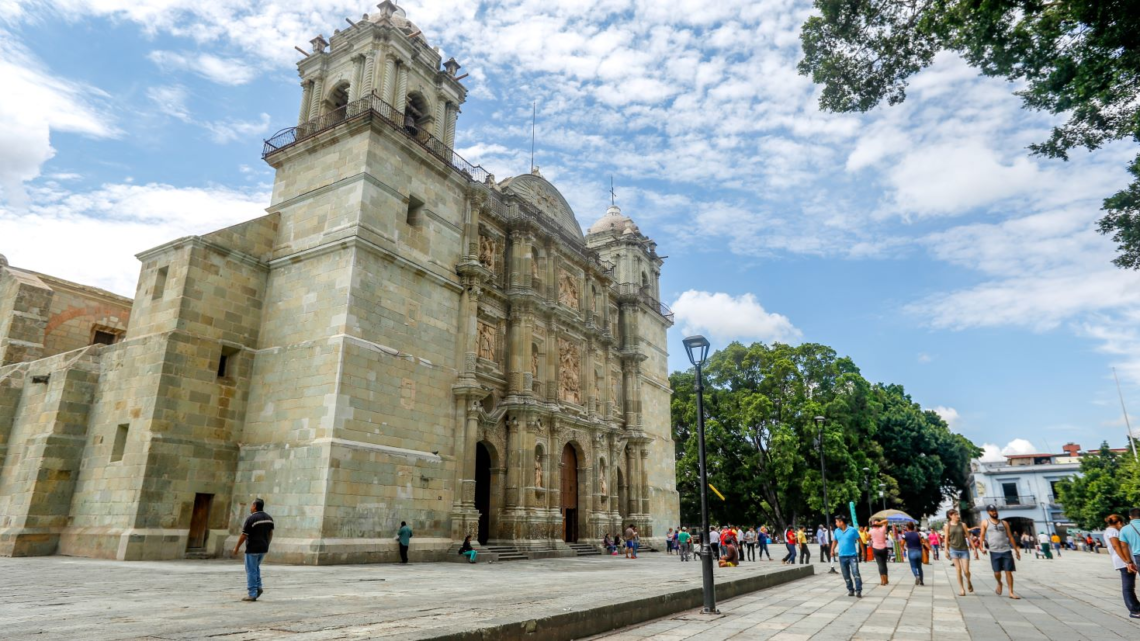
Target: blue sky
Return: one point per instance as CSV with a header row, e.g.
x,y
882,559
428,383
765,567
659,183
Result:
x,y
920,239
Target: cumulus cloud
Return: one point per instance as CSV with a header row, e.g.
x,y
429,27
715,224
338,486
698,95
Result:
x,y
726,318
993,453
92,237
948,414
171,101
38,104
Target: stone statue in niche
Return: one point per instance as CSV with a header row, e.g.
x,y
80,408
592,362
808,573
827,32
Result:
x,y
537,471
487,251
534,268
615,389
603,481
567,290
486,341
597,387
534,363
568,375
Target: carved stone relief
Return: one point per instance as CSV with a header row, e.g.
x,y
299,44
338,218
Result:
x,y
487,341
488,251
569,378
567,289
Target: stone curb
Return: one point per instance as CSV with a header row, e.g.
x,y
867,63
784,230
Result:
x,y
585,623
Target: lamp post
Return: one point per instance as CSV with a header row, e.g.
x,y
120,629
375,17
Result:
x,y
827,520
867,484
883,495
697,348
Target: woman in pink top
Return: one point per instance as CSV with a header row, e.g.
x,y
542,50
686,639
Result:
x,y
934,543
879,546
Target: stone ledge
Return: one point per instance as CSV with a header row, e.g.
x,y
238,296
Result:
x,y
596,620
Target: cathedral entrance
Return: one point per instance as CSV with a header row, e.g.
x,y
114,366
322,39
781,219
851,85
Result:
x,y
483,491
569,495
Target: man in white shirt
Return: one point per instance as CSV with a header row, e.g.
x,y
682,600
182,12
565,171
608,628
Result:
x,y
1122,563
714,543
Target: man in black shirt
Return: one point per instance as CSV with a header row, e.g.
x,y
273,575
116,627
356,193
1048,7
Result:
x,y
256,534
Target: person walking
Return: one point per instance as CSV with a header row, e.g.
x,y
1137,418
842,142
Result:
x,y
1123,561
404,538
956,539
684,545
805,550
1057,543
999,539
848,546
881,547
669,542
762,540
1043,541
790,545
749,545
628,537
935,542
915,545
468,551
823,538
256,533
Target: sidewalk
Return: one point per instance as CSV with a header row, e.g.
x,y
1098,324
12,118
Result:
x,y
1074,597
72,598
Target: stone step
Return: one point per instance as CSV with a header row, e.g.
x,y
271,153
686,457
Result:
x,y
584,549
506,552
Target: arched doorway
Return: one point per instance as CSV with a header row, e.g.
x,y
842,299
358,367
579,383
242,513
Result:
x,y
483,490
569,494
1020,525
337,101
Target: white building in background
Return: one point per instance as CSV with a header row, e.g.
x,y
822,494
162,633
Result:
x,y
1024,488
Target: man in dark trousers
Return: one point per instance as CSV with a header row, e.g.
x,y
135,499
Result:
x,y
256,533
404,536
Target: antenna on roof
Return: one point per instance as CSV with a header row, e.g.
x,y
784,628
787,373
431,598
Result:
x,y
533,118
613,194
1131,438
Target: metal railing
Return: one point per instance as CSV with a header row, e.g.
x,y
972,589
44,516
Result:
x,y
368,106
1010,501
641,292
372,106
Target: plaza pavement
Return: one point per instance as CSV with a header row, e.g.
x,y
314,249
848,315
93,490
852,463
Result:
x,y
73,598
1074,597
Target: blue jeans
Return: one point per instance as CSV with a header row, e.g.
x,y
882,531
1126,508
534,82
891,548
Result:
x,y
1128,583
791,558
915,558
253,573
471,554
850,567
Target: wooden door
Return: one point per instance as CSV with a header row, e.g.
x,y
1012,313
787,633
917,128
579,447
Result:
x,y
569,495
200,521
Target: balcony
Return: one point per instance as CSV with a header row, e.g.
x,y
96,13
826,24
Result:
x,y
641,293
1028,501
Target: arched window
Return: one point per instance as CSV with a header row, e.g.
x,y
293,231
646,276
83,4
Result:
x,y
337,101
417,113
644,281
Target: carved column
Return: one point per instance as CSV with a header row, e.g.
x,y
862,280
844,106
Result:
x,y
357,78
401,97
439,127
589,399
452,114
644,470
368,80
318,91
514,463
306,99
389,84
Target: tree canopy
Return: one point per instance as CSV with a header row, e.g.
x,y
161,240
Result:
x,y
1109,483
763,442
1075,57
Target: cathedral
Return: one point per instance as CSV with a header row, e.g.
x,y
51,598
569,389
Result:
x,y
402,337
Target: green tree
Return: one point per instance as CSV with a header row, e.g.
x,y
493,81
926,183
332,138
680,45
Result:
x,y
1080,58
1106,485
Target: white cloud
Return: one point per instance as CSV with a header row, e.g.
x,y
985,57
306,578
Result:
x,y
924,358
92,237
948,414
225,71
36,105
171,101
993,453
726,318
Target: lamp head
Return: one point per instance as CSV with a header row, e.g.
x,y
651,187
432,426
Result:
x,y
819,420
697,348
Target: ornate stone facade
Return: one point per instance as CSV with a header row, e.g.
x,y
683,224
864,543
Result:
x,y
401,338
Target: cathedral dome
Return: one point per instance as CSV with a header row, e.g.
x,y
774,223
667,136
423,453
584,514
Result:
x,y
614,221
396,16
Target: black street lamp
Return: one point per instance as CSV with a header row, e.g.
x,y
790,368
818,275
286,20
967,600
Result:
x,y
882,494
698,349
827,520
